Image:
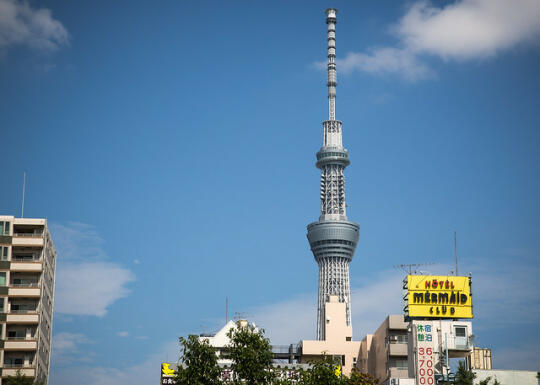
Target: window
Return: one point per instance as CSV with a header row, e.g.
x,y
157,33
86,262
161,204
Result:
x,y
4,253
398,363
461,331
4,228
2,279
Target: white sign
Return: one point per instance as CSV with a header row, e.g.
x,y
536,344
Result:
x,y
425,371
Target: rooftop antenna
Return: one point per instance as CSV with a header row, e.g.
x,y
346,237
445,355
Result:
x,y
241,315
226,310
408,267
455,250
23,192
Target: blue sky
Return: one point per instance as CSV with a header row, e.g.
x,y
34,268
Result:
x,y
172,146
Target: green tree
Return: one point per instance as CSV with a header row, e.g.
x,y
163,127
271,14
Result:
x,y
486,381
251,354
20,379
464,376
323,372
200,363
359,378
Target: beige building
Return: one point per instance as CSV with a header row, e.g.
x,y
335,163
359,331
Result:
x,y
480,358
27,271
384,354
338,338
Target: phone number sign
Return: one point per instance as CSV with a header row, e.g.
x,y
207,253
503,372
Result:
x,y
425,362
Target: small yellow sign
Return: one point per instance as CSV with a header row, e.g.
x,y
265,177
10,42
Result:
x,y
166,370
435,296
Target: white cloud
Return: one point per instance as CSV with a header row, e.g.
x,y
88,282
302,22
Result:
x,y
498,285
469,29
66,347
142,373
463,30
380,61
123,334
86,283
89,288
292,320
501,284
20,24
68,342
78,241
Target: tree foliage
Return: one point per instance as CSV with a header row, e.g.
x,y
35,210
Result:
x,y
464,376
200,363
323,372
486,382
20,379
251,354
359,378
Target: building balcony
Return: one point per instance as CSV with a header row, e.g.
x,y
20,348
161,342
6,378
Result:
x,y
458,347
26,266
24,290
397,349
27,239
35,257
11,370
398,372
20,343
22,317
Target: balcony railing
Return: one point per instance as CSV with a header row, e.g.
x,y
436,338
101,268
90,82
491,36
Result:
x,y
27,284
24,311
25,258
22,338
12,365
28,235
458,343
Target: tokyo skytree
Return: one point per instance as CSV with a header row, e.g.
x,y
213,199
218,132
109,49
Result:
x,y
333,237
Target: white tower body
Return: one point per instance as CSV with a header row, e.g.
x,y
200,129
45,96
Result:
x,y
333,238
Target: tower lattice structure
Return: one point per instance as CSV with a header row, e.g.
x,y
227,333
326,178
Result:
x,y
333,238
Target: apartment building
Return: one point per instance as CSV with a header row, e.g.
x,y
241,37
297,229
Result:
x,y
27,272
384,354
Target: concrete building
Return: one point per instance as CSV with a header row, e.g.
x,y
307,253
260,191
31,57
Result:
x,y
432,343
338,342
384,354
27,273
480,358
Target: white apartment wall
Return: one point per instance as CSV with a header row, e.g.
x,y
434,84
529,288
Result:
x,y
508,377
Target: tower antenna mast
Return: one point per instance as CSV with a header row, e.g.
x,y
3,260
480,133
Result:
x,y
23,193
455,250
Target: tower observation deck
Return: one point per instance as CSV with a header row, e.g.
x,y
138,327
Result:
x,y
333,238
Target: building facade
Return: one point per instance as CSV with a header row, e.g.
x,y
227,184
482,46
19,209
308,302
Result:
x,y
384,354
27,276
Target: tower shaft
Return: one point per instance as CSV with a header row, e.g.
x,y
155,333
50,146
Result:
x,y
333,238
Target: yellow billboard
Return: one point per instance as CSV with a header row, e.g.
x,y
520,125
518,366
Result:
x,y
437,296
